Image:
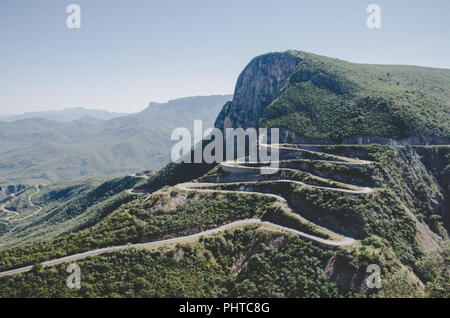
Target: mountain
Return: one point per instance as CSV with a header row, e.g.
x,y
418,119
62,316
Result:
x,y
332,221
40,150
65,115
317,99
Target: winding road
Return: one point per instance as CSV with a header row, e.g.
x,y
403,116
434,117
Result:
x,y
4,209
30,200
232,168
236,167
180,239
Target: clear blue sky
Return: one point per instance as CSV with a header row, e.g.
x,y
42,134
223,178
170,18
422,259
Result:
x,y
128,53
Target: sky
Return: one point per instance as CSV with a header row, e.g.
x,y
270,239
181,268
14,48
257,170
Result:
x,y
128,53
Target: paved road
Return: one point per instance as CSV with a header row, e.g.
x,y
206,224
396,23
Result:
x,y
179,239
203,187
30,200
340,159
190,186
143,176
32,204
4,209
235,167
346,240
132,191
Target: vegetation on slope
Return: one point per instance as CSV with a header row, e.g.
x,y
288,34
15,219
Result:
x,y
331,99
387,222
67,207
41,151
165,214
243,262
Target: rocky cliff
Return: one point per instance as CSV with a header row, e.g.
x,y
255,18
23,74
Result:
x,y
317,99
257,86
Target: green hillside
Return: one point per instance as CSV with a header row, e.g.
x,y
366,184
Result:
x,y
66,207
331,99
41,151
399,226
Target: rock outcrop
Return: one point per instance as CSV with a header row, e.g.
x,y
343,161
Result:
x,y
257,86
321,100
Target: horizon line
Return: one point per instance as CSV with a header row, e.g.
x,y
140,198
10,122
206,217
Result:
x,y
106,110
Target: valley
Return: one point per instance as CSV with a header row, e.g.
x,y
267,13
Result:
x,y
36,150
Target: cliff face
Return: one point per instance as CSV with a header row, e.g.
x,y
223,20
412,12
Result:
x,y
257,86
317,99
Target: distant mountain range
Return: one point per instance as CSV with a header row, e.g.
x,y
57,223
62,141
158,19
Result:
x,y
38,149
65,115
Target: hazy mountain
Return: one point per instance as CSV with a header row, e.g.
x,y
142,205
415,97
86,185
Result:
x,y
64,115
39,150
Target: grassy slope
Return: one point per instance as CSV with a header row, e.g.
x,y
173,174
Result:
x,y
332,99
